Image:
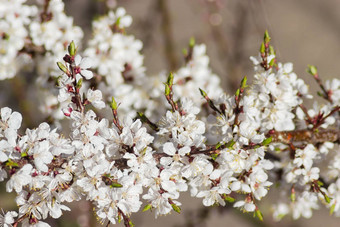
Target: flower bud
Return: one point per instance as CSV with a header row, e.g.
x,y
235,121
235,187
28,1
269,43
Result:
x,y
62,67
244,82
312,70
203,93
266,37
192,42
167,90
72,49
170,80
113,104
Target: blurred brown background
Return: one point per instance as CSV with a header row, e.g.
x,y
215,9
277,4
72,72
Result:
x,y
303,32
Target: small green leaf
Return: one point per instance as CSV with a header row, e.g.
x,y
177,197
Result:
x,y
176,208
167,90
271,50
170,80
266,37
214,156
267,141
185,51
218,145
237,93
262,48
327,199
131,224
228,198
24,154
79,83
116,185
113,104
10,163
230,144
244,82
192,42
292,197
331,211
280,216
118,21
62,67
272,62
320,183
119,218
319,94
259,214
203,93
147,207
72,49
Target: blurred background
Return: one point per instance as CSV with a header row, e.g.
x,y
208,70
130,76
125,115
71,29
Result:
x,y
303,32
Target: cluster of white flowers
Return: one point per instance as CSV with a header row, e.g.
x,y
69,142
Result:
x,y
15,16
234,150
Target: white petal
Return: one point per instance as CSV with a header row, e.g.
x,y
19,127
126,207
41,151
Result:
x,y
85,63
77,59
169,148
86,73
15,120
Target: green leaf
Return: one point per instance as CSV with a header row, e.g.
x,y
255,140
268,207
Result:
x,y
228,198
259,214
79,83
271,50
131,224
170,80
192,42
116,185
113,104
230,144
214,156
272,62
62,67
203,93
176,208
267,141
147,207
327,199
244,82
167,90
266,37
185,51
331,211
10,163
118,21
320,184
218,145
237,93
292,197
72,49
262,48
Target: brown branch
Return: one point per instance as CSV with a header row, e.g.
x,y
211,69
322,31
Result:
x,y
306,136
